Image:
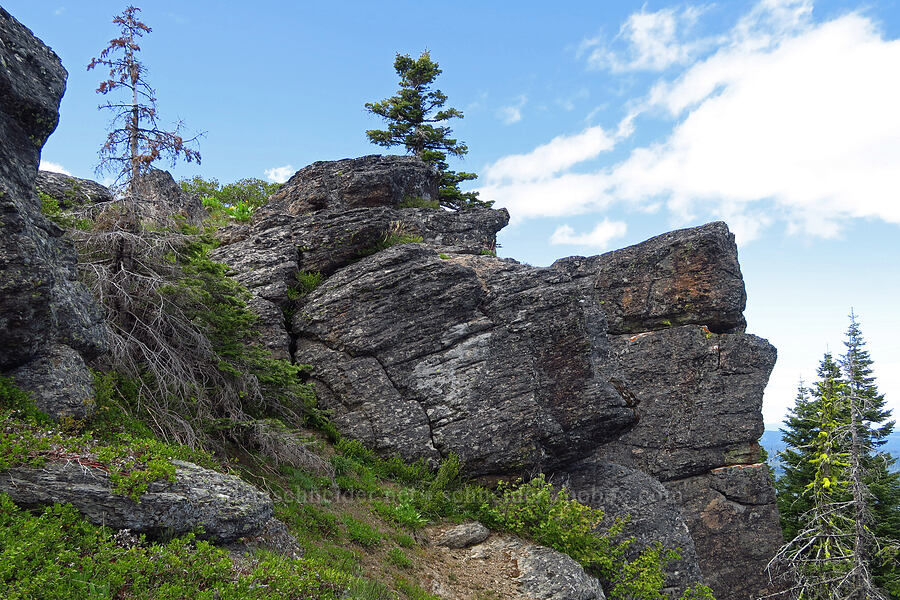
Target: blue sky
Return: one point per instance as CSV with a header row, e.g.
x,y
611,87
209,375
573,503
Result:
x,y
597,126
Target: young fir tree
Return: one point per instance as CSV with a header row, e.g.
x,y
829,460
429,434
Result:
x,y
882,482
136,140
838,500
416,119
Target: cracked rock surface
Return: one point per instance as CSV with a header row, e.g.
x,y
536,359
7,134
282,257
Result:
x,y
49,323
225,507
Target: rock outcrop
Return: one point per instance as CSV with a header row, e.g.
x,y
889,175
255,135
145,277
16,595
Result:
x,y
49,324
225,507
626,375
504,566
327,217
71,192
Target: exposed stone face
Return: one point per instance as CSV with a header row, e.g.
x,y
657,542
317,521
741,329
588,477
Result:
x,y
688,276
514,569
731,513
699,397
49,324
223,505
448,376
343,223
58,382
163,198
70,192
363,182
422,351
654,514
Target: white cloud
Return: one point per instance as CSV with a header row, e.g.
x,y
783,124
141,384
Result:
x,y
785,121
53,167
59,11
512,113
809,126
280,174
599,237
560,153
654,42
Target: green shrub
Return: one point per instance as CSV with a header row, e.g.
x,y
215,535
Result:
x,y
418,202
308,519
362,533
307,281
398,558
404,513
57,555
234,201
553,518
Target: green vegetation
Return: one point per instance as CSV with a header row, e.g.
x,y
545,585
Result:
x,y
29,437
235,201
415,119
417,202
50,208
57,555
553,518
307,281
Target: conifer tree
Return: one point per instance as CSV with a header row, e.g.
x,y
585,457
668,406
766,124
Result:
x,y
838,500
416,119
136,139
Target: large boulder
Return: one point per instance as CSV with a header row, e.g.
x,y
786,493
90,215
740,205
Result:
x,y
225,507
363,182
49,324
426,354
504,566
624,374
71,192
688,276
327,217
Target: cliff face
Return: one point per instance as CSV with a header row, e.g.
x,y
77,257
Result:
x,y
49,324
626,375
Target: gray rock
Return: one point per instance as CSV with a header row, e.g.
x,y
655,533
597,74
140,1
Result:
x,y
699,400
543,573
447,376
551,575
162,198
653,514
342,222
463,536
367,181
43,307
59,383
731,512
71,192
223,505
688,276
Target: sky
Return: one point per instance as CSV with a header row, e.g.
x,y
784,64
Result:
x,y
597,124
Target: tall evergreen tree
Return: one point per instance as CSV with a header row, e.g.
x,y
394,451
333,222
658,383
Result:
x,y
838,500
882,482
417,120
